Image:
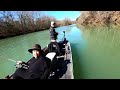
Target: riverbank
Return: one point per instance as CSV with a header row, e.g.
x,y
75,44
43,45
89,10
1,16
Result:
x,y
3,36
13,34
98,18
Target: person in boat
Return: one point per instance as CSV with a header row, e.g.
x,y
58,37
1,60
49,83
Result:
x,y
53,33
53,45
39,66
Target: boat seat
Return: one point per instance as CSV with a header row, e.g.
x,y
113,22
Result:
x,y
51,55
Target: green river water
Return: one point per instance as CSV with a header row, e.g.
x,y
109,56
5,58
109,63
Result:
x,y
95,52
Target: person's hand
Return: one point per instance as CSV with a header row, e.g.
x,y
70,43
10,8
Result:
x,y
18,64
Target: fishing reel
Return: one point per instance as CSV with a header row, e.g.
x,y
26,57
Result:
x,y
20,64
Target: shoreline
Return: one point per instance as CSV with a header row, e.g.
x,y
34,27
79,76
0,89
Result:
x,y
4,37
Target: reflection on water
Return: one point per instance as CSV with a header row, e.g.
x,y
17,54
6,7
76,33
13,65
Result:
x,y
102,54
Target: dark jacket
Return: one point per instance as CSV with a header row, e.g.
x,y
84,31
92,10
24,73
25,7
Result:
x,y
38,69
53,33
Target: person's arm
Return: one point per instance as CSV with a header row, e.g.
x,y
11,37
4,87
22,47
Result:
x,y
22,64
29,60
46,74
54,31
47,70
45,50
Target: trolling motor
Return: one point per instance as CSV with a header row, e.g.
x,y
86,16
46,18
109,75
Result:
x,y
64,39
64,34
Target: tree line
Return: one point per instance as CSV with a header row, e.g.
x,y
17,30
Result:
x,y
14,23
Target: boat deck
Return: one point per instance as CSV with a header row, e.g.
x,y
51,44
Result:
x,y
68,56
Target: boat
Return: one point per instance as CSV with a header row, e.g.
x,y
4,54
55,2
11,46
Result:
x,y
61,63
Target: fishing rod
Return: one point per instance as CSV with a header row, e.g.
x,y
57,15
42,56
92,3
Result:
x,y
9,59
19,64
9,76
12,60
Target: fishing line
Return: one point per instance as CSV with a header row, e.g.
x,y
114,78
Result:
x,y
8,59
11,60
